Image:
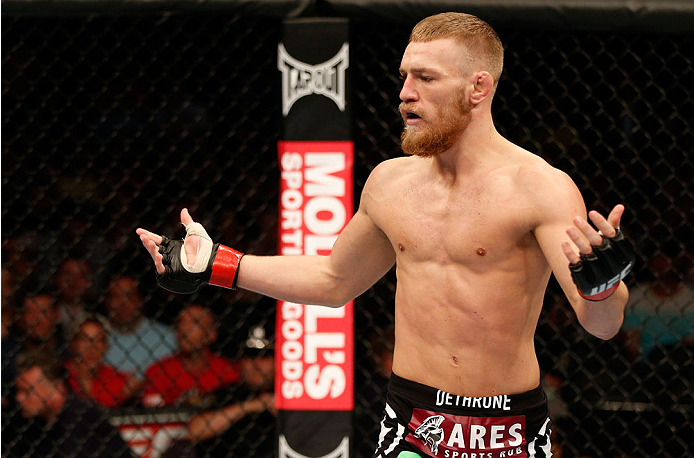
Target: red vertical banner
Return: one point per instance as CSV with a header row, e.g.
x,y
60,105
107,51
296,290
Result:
x,y
314,344
314,377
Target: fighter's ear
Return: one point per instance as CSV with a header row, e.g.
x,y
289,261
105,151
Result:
x,y
483,84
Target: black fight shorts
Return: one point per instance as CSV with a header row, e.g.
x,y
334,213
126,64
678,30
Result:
x,y
422,421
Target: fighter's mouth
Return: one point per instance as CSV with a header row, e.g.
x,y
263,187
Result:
x,y
412,115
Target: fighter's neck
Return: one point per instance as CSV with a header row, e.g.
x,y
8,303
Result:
x,y
478,147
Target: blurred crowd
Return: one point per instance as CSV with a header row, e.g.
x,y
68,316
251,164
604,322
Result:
x,y
80,347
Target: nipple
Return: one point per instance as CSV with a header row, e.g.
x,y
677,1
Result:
x,y
401,247
481,251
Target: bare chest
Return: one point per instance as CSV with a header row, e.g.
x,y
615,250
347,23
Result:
x,y
472,226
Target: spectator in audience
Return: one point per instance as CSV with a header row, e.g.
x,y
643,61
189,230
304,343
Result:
x,y
19,254
69,426
39,323
253,404
88,376
135,340
257,365
33,326
191,376
75,300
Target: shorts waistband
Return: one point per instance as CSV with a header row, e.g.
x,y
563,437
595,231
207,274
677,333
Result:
x,y
501,404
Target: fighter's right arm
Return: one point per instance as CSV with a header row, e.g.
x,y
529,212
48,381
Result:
x,y
360,256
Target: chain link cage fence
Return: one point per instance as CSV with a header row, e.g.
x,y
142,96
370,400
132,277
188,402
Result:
x,y
112,122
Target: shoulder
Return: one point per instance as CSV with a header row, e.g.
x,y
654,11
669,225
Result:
x,y
387,175
545,193
543,184
396,165
530,167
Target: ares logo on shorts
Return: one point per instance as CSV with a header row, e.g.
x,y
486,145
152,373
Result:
x,y
300,79
431,433
456,436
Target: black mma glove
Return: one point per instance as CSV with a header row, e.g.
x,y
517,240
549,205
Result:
x,y
598,274
215,264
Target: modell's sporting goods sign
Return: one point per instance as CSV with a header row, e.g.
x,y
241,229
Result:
x,y
315,367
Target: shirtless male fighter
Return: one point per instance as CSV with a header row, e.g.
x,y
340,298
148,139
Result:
x,y
475,226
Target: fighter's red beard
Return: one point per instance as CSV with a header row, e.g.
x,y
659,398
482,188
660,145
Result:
x,y
436,137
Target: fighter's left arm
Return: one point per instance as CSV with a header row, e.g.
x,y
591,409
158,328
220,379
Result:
x,y
588,262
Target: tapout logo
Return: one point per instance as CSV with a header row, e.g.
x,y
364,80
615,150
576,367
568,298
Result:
x,y
300,79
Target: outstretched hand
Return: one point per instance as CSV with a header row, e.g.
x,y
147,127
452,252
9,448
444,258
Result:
x,y
151,242
185,266
586,236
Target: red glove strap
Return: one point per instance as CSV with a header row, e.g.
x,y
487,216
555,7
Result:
x,y
225,267
601,296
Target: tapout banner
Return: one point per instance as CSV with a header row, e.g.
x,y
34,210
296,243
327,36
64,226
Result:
x,y
314,348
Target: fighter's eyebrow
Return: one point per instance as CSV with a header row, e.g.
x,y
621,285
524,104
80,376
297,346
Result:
x,y
417,71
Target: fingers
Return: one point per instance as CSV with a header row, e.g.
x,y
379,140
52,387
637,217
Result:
x,y
151,242
615,216
585,236
608,226
186,219
607,229
569,253
153,250
151,235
